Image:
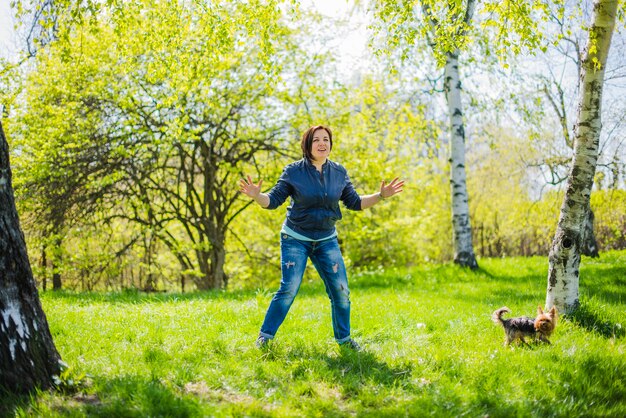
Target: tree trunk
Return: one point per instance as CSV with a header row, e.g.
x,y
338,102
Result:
x,y
44,269
589,242
211,265
218,258
564,258
28,357
57,254
56,278
462,230
148,245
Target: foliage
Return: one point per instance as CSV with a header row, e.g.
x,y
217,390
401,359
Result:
x,y
389,135
424,330
501,28
513,224
513,214
610,224
112,118
10,82
169,102
511,217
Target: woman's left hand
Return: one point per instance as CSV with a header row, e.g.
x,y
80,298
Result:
x,y
391,189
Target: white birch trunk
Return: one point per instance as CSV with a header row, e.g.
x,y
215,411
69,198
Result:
x,y
564,259
462,230
461,227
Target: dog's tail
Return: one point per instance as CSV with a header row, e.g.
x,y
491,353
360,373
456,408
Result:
x,y
497,315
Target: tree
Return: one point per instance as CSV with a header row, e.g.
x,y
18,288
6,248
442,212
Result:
x,y
564,258
202,100
446,28
28,357
66,167
461,225
589,245
385,133
177,99
558,79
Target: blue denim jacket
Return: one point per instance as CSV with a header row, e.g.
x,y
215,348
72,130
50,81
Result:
x,y
315,197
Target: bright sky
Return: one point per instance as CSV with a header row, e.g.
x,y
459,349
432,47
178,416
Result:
x,y
6,29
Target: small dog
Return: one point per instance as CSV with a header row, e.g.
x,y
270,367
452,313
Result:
x,y
539,328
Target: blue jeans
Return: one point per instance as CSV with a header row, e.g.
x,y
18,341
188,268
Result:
x,y
328,261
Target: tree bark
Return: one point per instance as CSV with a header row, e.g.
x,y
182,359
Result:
x,y
56,278
28,357
589,242
564,258
44,268
211,265
462,230
57,255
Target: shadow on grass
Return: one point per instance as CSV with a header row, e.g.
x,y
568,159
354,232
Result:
x,y
126,396
615,274
591,317
348,368
607,282
133,396
9,403
353,369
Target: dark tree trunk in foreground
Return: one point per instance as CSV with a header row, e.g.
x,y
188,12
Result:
x,y
28,357
563,279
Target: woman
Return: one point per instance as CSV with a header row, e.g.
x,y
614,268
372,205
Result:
x,y
315,185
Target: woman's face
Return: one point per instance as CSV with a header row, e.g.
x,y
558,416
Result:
x,y
320,147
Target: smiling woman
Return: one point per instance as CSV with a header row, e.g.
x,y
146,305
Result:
x,y
316,145
315,185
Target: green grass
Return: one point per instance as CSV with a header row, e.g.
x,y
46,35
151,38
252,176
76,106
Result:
x,y
430,350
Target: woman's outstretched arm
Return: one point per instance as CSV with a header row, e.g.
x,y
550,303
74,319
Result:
x,y
252,190
386,191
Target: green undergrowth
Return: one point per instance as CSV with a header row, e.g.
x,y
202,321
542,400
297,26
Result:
x,y
430,349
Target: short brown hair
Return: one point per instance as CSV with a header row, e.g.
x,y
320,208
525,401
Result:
x,y
307,140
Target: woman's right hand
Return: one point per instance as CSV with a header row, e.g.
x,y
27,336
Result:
x,y
249,188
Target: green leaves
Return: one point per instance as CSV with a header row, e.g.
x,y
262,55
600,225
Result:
x,y
509,27
515,25
157,106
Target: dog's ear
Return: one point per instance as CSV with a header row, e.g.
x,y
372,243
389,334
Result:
x,y
539,310
553,312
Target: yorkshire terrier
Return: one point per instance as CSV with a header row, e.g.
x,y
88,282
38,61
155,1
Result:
x,y
538,328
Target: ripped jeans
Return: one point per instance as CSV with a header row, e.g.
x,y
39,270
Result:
x,y
327,259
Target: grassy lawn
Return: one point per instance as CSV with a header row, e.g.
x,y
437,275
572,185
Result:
x,y
430,349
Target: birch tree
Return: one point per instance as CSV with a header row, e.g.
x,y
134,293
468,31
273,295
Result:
x,y
28,357
446,34
558,79
564,258
461,225
589,245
